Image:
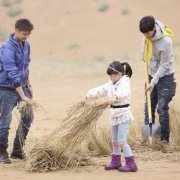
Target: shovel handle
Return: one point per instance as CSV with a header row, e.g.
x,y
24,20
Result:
x,y
148,96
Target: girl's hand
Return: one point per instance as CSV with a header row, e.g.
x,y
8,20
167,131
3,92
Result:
x,y
113,100
84,101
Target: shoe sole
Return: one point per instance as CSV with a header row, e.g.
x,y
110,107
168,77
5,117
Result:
x,y
135,169
5,162
112,168
15,157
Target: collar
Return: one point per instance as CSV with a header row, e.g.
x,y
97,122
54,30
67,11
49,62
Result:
x,y
15,42
118,82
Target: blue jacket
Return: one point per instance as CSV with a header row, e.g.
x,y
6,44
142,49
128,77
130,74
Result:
x,y
14,62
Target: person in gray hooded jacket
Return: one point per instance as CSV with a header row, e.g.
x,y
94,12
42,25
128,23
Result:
x,y
161,71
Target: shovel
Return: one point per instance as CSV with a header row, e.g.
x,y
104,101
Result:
x,y
151,130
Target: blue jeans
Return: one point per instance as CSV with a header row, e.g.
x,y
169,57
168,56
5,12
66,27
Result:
x,y
119,139
161,96
8,100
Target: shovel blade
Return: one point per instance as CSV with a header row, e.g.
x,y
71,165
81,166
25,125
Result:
x,y
147,136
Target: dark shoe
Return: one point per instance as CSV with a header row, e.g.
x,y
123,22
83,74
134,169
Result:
x,y
17,152
18,155
164,142
115,162
4,158
165,147
130,165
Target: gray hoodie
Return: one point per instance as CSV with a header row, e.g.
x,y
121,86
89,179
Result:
x,y
161,62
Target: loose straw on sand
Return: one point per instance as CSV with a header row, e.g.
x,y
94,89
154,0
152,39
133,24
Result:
x,y
73,141
62,148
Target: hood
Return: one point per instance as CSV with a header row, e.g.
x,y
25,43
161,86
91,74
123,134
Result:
x,y
159,31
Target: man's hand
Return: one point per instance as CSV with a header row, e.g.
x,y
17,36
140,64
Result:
x,y
22,95
26,99
149,88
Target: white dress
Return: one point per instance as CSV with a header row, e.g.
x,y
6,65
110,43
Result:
x,y
122,90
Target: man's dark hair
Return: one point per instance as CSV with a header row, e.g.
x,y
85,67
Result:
x,y
24,25
147,24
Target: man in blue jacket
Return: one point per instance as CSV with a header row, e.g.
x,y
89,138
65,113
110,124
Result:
x,y
15,86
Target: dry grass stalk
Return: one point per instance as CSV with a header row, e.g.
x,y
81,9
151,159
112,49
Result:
x,y
99,142
174,134
150,154
62,147
134,135
175,126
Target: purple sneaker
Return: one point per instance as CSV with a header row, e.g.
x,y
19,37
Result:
x,y
130,165
115,162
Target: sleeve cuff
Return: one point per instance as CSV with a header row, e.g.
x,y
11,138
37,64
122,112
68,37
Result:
x,y
152,84
17,85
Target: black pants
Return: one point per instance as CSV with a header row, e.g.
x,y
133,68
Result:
x,y
161,96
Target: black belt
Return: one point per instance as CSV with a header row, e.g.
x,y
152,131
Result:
x,y
7,89
12,89
121,106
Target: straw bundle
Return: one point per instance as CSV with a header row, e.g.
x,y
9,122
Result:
x,y
63,147
134,136
26,108
44,157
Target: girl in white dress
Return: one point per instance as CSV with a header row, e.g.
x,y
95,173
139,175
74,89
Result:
x,y
117,89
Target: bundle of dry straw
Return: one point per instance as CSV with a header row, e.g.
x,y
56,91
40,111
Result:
x,y
63,147
26,108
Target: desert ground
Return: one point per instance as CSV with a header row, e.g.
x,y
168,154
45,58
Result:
x,y
72,45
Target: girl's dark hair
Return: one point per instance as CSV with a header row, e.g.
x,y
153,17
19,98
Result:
x,y
24,25
116,67
147,24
